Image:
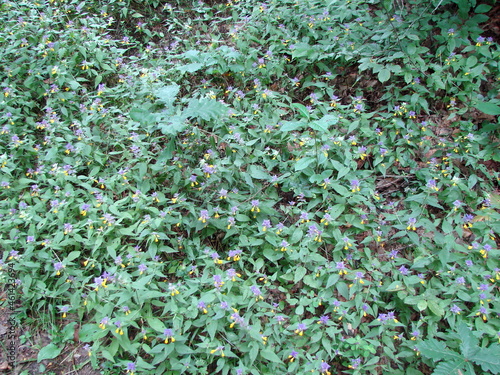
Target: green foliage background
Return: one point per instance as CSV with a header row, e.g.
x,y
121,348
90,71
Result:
x,y
292,187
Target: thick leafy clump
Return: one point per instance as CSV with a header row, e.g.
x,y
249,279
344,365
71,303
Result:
x,y
239,188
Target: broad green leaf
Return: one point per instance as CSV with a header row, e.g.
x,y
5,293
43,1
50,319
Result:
x,y
156,324
50,351
324,123
422,305
488,107
190,68
296,236
207,109
167,94
482,8
395,286
303,163
72,255
449,368
342,190
488,358
343,289
301,108
435,307
336,210
291,125
258,172
470,344
437,351
300,272
270,355
384,75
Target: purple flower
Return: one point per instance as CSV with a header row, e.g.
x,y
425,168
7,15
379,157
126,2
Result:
x,y
204,216
455,309
130,367
483,287
256,292
324,319
301,327
355,186
404,271
324,368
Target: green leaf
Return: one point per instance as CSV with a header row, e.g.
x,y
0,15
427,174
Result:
x,y
141,115
488,358
323,124
343,290
167,94
156,324
258,172
342,190
470,344
303,163
301,108
488,107
300,272
72,255
291,125
482,8
449,368
395,286
384,75
270,356
296,236
190,68
336,210
50,351
437,351
205,108
435,307
422,305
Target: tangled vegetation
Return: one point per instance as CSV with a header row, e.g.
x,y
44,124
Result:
x,y
291,187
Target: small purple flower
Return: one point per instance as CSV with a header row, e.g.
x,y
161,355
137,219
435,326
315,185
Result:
x,y
204,216
142,268
130,367
324,368
455,309
404,271
324,319
301,327
256,292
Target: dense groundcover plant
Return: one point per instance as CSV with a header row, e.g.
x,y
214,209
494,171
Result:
x,y
293,187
